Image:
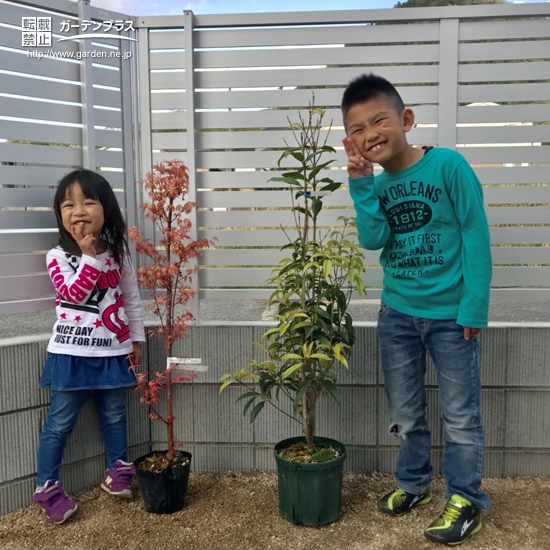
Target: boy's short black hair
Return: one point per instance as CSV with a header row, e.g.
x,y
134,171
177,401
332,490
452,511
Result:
x,y
369,86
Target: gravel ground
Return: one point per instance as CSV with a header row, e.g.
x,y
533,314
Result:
x,y
239,511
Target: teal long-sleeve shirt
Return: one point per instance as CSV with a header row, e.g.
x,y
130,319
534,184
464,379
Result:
x,y
430,222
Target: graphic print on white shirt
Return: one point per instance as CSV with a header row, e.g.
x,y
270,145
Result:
x,y
98,306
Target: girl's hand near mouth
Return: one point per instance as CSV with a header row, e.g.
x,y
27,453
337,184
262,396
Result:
x,y
86,243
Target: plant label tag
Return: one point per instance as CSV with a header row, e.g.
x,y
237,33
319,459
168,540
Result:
x,y
186,363
309,194
197,368
184,360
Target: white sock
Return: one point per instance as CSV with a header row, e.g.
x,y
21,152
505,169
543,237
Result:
x,y
48,483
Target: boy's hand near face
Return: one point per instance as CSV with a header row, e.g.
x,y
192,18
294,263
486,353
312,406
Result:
x,y
358,165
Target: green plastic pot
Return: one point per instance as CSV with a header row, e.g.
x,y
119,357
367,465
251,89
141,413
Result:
x,y
310,494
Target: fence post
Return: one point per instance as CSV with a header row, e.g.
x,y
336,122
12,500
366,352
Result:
x,y
127,68
86,93
191,150
448,83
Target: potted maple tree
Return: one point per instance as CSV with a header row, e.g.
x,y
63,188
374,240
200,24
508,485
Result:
x,y
168,273
314,334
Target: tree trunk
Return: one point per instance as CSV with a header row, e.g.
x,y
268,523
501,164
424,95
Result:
x,y
308,416
169,417
168,346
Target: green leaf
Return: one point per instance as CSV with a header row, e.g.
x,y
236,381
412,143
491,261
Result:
x,y
290,181
302,324
295,314
300,393
298,156
309,265
322,313
250,375
319,356
283,328
224,377
307,348
342,360
327,266
332,390
332,185
225,384
291,356
319,167
260,346
247,406
321,338
322,455
314,156
295,175
256,410
291,370
317,205
247,394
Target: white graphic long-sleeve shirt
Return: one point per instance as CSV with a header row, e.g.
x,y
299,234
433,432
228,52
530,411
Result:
x,y
99,311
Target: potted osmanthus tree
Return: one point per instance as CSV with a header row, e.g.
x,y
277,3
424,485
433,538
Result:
x,y
314,334
168,273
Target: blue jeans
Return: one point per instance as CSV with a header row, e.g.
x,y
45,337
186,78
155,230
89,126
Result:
x,y
62,415
404,341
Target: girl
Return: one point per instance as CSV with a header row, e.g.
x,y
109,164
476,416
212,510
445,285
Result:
x,y
99,324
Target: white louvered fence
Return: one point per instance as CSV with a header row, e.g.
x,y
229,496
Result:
x,y
217,91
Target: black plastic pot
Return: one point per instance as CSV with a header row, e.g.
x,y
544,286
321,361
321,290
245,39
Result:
x,y
310,494
163,492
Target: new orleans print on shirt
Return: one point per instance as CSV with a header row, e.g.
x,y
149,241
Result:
x,y
409,207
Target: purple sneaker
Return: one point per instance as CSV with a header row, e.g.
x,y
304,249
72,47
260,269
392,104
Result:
x,y
55,502
117,481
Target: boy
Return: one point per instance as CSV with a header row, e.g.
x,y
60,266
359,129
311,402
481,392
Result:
x,y
426,213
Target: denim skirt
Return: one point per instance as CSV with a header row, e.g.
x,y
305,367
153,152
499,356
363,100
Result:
x,y
68,372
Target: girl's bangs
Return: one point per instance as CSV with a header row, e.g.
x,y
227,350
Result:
x,y
88,185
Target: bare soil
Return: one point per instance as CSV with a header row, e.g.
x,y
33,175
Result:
x,y
239,510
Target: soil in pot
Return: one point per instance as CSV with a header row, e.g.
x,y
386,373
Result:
x,y
310,493
297,452
163,487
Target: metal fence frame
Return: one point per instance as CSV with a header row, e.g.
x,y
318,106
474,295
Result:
x,y
82,97
442,59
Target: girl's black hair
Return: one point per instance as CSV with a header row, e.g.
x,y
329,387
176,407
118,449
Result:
x,y
370,86
96,187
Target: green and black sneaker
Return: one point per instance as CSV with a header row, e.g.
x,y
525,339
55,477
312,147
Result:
x,y
400,502
459,521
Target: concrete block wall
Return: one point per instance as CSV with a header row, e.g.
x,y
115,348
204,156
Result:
x,y
23,409
516,410
516,404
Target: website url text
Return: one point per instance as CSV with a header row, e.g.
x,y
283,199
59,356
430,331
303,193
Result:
x,y
94,54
